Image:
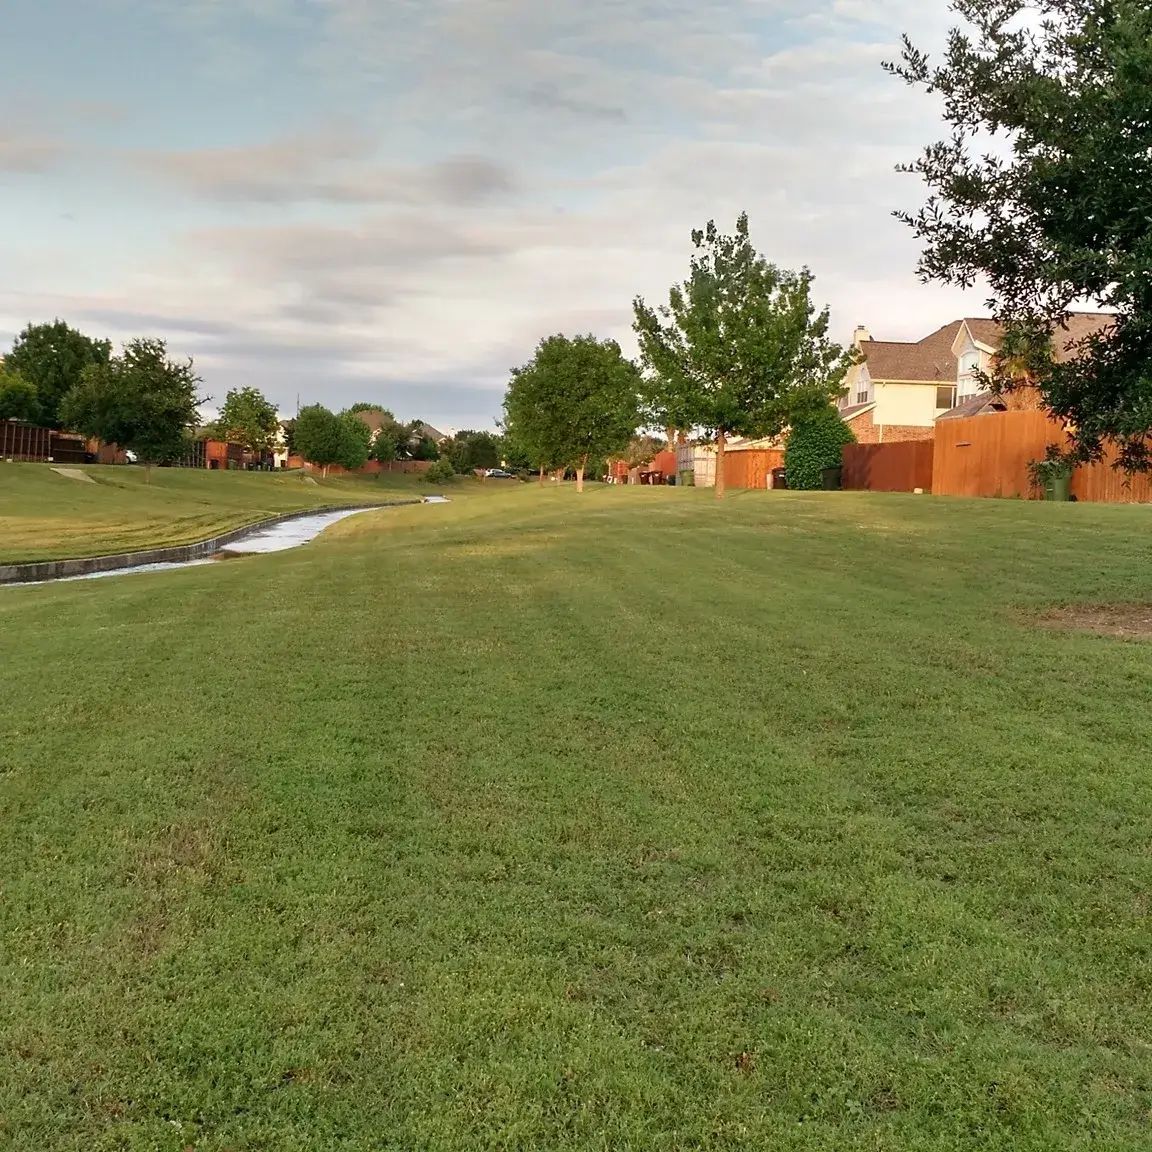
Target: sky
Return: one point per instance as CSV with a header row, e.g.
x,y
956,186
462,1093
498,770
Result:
x,y
394,201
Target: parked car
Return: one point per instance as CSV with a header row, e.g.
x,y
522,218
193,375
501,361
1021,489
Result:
x,y
499,474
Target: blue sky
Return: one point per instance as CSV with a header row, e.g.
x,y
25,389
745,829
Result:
x,y
394,200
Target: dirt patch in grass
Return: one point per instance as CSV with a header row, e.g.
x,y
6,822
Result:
x,y
1127,620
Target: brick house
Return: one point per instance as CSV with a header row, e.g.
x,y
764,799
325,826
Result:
x,y
899,389
976,347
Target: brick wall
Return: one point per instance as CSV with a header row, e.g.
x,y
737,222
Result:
x,y
869,432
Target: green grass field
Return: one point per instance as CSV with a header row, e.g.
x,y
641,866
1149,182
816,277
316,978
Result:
x,y
44,516
623,822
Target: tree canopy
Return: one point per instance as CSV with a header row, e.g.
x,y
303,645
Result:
x,y
52,358
576,400
470,450
1063,212
18,398
739,349
139,400
324,438
249,419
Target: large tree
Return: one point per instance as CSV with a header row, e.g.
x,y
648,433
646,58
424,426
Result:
x,y
739,349
1062,212
324,438
18,398
249,419
471,450
355,441
139,400
52,358
577,399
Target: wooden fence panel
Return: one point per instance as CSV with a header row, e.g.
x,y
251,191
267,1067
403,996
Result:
x,y
751,468
989,455
1105,484
899,467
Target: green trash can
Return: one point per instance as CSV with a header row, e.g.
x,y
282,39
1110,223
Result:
x,y
832,479
1058,486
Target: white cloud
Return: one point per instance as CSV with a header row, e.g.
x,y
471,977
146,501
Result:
x,y
488,172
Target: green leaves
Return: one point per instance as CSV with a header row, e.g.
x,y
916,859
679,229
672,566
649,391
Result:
x,y
52,358
739,348
324,439
815,442
139,400
577,399
1065,215
248,418
18,397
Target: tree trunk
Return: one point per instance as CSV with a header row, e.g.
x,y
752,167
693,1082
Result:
x,y
580,474
721,444
324,474
541,473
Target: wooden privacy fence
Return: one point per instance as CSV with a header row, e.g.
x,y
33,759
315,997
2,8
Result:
x,y
751,468
899,467
989,456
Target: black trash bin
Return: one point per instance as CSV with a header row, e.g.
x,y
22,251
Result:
x,y
779,478
831,479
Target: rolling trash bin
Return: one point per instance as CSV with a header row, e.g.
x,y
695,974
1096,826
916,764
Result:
x,y
831,479
779,478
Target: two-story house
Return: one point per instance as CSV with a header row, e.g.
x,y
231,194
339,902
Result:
x,y
977,345
898,389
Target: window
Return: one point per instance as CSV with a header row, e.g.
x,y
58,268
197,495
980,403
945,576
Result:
x,y
946,396
862,397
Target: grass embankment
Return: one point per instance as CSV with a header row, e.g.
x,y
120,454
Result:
x,y
627,822
45,516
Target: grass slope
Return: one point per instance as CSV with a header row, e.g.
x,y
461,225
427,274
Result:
x,y
44,516
627,822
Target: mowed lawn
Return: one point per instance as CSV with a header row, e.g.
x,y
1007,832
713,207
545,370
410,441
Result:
x,y
46,516
622,822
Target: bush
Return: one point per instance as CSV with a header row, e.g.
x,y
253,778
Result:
x,y
815,443
441,472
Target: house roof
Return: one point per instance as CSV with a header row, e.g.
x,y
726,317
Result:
x,y
979,405
373,417
427,432
854,410
1078,326
928,361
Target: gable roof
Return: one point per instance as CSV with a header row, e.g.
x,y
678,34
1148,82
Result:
x,y
854,410
1078,326
373,417
928,361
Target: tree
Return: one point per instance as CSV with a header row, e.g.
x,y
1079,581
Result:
x,y
324,439
18,399
288,427
355,441
391,442
249,419
52,358
319,436
469,451
139,400
1063,212
422,447
815,442
739,348
577,398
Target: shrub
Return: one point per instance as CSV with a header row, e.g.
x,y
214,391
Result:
x,y
816,442
441,472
